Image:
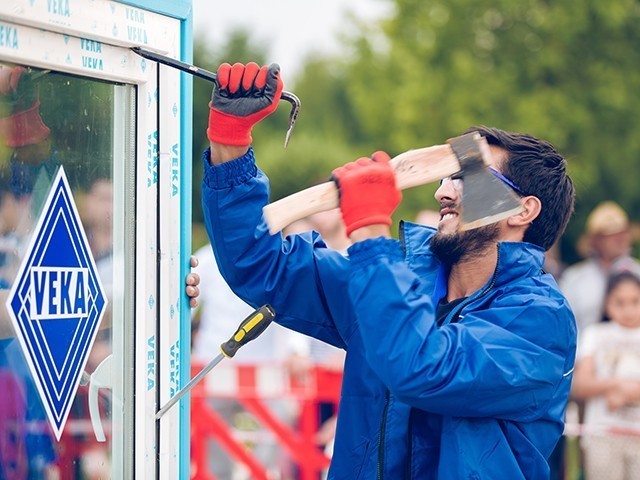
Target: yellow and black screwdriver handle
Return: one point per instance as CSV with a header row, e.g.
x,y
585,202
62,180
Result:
x,y
250,328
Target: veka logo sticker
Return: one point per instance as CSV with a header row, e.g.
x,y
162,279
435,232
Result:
x,y
57,302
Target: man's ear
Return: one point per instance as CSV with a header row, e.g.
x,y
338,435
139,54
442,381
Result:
x,y
532,208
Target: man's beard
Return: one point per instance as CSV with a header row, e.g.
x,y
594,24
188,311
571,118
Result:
x,y
454,247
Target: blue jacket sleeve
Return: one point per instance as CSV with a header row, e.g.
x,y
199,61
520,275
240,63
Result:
x,y
476,368
293,275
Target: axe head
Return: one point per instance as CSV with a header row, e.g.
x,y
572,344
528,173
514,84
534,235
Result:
x,y
485,198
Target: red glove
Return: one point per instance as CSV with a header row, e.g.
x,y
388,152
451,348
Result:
x,y
368,192
241,97
20,120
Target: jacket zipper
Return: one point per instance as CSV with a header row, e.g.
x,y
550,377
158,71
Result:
x,y
407,475
401,238
451,315
408,472
383,427
456,311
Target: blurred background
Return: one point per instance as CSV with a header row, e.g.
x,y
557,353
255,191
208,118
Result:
x,y
403,74
396,75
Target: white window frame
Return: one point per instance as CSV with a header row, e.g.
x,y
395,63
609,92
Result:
x,y
53,35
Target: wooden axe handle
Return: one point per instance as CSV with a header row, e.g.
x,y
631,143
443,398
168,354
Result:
x,y
413,168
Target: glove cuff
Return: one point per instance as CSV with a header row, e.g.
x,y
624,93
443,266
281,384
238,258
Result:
x,y
228,129
24,128
372,220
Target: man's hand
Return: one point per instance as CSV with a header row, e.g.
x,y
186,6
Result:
x,y
242,96
192,281
368,194
20,122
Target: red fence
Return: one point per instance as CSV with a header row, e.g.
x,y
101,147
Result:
x,y
252,386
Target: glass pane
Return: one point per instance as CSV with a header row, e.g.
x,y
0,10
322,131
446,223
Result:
x,y
50,120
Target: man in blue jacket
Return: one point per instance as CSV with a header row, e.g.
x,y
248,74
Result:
x,y
460,349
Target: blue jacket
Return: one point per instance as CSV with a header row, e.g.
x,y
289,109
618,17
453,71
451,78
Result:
x,y
479,398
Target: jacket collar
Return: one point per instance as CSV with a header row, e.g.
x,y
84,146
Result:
x,y
515,259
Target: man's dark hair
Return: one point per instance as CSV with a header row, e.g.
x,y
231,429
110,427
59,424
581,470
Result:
x,y
537,169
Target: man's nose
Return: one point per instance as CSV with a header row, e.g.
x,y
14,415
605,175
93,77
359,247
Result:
x,y
447,191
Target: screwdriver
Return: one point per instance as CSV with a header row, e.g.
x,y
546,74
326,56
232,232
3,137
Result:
x,y
250,328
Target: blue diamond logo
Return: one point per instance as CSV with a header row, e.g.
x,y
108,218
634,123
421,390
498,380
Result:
x,y
57,302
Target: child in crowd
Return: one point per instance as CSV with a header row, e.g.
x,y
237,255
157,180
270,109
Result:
x,y
607,377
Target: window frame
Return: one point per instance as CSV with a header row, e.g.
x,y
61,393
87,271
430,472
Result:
x,y
56,39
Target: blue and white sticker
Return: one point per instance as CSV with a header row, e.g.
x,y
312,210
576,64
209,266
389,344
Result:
x,y
57,302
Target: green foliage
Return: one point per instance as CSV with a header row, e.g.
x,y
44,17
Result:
x,y
564,71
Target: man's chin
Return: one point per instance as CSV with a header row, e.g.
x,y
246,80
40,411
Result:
x,y
448,229
453,247
447,247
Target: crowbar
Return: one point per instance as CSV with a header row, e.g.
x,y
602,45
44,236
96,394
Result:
x,y
207,75
249,329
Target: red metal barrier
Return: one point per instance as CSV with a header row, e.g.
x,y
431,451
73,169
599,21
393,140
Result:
x,y
251,386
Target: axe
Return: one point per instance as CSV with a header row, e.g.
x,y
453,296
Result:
x,y
485,198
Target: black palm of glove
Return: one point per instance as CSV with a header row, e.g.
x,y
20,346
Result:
x,y
243,95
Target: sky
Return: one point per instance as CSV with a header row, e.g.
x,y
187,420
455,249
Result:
x,y
291,28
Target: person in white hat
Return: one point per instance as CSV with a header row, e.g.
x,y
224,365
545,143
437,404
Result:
x,y
607,243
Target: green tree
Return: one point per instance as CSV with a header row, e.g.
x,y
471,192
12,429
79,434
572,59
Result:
x,y
563,71
314,150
